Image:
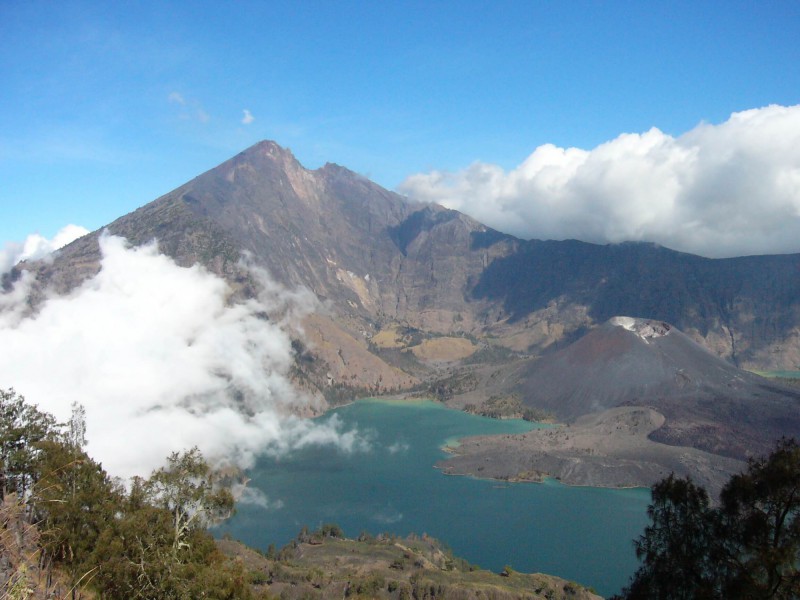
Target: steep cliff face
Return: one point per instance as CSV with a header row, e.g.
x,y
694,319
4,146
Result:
x,y
379,261
746,310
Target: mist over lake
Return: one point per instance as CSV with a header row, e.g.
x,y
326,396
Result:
x,y
582,534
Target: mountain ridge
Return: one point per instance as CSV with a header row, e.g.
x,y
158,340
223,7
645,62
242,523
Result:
x,y
440,271
404,283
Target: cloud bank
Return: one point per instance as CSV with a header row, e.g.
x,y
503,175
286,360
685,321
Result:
x,y
163,362
718,190
36,247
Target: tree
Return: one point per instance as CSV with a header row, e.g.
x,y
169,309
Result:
x,y
157,547
73,501
760,514
746,548
674,547
76,426
22,428
149,543
185,488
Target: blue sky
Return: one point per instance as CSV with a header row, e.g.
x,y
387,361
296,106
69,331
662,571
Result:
x,y
106,106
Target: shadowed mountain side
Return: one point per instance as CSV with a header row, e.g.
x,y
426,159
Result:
x,y
708,403
378,262
738,306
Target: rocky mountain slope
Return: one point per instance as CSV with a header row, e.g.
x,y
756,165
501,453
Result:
x,y
415,295
383,261
707,402
374,259
641,400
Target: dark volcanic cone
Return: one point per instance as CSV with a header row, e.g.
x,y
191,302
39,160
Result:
x,y
708,403
625,361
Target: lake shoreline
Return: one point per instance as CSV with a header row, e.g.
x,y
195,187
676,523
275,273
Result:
x,y
505,460
470,465
611,450
391,487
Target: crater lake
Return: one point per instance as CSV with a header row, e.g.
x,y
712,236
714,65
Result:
x,y
580,533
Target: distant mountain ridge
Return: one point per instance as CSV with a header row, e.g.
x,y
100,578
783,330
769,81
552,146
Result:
x,y
745,309
420,296
403,280
386,259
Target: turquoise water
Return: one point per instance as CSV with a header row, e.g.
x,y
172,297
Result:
x,y
583,534
785,374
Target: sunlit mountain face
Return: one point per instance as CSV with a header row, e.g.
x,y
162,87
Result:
x,y
375,294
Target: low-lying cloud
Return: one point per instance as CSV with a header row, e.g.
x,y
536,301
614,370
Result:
x,y
254,497
162,361
718,190
37,247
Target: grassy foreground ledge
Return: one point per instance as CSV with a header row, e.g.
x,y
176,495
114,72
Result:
x,y
323,564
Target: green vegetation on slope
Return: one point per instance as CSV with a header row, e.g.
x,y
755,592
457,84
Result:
x,y
68,530
508,407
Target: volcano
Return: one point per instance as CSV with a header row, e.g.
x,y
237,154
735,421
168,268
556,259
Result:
x,y
708,403
419,296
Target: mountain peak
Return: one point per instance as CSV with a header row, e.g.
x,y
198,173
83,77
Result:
x,y
270,147
263,153
268,153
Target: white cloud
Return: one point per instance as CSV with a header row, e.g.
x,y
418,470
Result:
x,y
176,98
162,362
718,190
36,247
248,117
398,447
387,516
254,497
189,109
